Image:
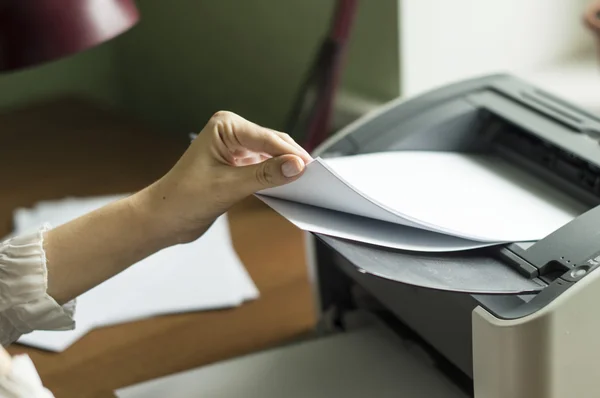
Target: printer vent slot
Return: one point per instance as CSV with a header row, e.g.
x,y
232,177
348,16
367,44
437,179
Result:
x,y
507,138
553,107
565,105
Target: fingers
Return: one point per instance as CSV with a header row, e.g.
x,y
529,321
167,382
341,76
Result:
x,y
248,160
238,133
270,173
5,362
286,137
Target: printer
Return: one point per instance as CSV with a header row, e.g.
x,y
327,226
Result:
x,y
519,320
515,320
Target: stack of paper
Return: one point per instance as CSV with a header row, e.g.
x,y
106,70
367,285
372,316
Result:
x,y
423,201
202,275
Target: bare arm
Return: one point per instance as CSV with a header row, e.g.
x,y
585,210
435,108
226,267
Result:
x,y
231,159
91,249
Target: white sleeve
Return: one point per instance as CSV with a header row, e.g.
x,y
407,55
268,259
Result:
x,y
23,380
25,305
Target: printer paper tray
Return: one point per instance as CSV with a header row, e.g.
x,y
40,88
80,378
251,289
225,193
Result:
x,y
474,272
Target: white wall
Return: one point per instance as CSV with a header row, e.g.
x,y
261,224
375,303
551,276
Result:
x,y
448,40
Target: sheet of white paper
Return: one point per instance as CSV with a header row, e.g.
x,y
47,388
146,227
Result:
x,y
61,211
367,230
205,274
321,186
373,362
475,197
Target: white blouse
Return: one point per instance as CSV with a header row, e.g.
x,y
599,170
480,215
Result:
x,y
25,305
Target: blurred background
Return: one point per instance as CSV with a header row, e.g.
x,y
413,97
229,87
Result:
x,y
186,59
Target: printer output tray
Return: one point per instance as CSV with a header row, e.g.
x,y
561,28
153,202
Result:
x,y
472,271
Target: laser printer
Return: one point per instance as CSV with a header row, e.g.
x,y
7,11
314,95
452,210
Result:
x,y
517,320
512,320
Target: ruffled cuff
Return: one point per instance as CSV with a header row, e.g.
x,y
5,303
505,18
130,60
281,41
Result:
x,y
24,301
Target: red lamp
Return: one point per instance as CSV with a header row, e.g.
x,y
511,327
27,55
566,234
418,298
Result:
x,y
37,31
311,116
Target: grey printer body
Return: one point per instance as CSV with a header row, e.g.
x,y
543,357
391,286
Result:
x,y
529,330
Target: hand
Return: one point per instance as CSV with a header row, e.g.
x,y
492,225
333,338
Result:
x,y
230,159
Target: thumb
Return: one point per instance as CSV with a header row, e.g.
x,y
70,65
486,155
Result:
x,y
271,173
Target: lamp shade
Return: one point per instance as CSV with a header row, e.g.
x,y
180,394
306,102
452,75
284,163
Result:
x,y
37,31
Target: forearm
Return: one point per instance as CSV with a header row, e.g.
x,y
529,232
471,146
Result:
x,y
85,252
203,184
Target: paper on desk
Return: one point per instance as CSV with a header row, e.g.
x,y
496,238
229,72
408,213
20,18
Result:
x,y
479,198
202,275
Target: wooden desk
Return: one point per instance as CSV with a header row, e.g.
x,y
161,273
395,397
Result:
x,y
70,147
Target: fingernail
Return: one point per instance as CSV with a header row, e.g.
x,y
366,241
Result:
x,y
291,168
